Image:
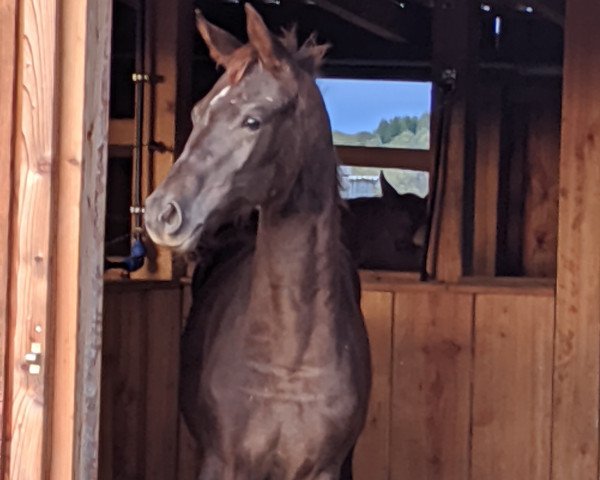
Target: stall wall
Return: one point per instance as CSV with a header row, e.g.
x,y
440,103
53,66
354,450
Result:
x,y
462,383
140,359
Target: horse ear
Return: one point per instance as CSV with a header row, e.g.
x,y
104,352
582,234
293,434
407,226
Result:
x,y
260,38
221,44
387,191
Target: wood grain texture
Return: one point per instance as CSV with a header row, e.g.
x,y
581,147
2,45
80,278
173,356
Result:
x,y
8,60
540,216
82,127
139,417
431,386
577,350
30,284
487,176
92,202
162,44
125,369
512,387
163,331
372,453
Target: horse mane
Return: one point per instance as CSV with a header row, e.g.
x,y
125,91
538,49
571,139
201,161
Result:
x,y
309,56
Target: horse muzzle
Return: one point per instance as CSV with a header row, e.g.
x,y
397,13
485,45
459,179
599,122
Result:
x,y
165,221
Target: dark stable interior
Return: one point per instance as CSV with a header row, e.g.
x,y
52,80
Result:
x,y
384,40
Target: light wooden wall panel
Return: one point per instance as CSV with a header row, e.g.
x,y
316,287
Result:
x,y
31,274
577,348
540,216
431,385
512,393
372,453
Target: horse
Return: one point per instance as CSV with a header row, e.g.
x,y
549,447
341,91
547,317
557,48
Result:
x,y
275,373
386,233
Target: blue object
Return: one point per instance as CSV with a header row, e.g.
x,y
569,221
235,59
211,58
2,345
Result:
x,y
133,262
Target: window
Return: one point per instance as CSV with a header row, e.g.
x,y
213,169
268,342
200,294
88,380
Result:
x,y
361,182
381,130
378,113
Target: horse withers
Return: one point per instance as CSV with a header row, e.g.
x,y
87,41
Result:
x,y
275,372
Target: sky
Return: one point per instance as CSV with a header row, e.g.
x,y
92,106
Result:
x,y
359,105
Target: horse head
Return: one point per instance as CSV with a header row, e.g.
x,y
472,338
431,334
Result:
x,y
248,142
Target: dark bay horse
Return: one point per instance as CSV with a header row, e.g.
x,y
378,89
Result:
x,y
275,358
386,233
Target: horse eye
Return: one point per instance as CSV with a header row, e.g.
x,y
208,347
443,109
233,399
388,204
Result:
x,y
251,123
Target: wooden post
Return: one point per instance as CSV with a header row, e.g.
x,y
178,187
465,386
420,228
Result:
x,y
82,127
577,339
455,47
486,185
8,59
169,44
56,59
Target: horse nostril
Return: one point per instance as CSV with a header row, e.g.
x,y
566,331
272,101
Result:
x,y
171,218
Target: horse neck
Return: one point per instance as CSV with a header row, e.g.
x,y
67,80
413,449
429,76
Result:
x,y
295,267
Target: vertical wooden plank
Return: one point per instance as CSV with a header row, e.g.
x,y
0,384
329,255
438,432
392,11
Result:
x,y
577,349
512,387
109,382
8,60
372,453
82,126
170,29
455,31
30,274
487,178
541,202
162,396
509,254
130,396
431,386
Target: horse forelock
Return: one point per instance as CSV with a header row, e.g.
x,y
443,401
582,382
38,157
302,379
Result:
x,y
309,56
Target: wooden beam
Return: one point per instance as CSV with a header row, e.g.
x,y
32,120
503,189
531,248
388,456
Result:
x,y
121,132
59,130
170,36
8,63
487,176
385,157
82,132
577,347
455,47
361,19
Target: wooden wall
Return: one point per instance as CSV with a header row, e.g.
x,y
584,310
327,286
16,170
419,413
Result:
x,y
517,176
139,408
462,384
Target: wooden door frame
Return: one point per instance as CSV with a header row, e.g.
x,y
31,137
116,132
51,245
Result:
x,y
69,41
